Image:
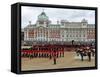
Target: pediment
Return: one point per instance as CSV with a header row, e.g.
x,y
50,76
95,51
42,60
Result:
x,y
41,27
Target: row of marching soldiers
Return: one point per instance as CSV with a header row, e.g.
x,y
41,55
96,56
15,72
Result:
x,y
43,52
85,51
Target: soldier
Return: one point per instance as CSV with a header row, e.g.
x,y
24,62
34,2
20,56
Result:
x,y
22,53
54,57
39,54
93,52
57,53
81,54
31,54
89,54
62,52
50,54
77,51
34,53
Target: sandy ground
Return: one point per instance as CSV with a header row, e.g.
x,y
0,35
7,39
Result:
x,y
68,61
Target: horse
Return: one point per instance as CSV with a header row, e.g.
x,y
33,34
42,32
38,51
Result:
x,y
84,53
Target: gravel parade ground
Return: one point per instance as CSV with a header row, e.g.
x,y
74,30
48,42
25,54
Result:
x,y
68,61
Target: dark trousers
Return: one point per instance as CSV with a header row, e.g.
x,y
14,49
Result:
x,y
81,56
54,61
89,56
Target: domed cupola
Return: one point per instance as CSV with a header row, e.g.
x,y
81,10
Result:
x,y
42,17
84,23
43,20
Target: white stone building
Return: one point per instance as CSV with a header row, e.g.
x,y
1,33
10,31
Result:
x,y
63,31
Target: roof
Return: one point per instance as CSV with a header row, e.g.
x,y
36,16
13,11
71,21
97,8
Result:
x,y
43,16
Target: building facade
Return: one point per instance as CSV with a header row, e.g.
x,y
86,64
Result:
x,y
63,31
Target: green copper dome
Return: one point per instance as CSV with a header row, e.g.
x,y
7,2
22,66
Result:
x,y
42,16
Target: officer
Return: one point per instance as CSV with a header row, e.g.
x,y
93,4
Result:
x,y
54,58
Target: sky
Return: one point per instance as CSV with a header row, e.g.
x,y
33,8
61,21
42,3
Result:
x,y
29,13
